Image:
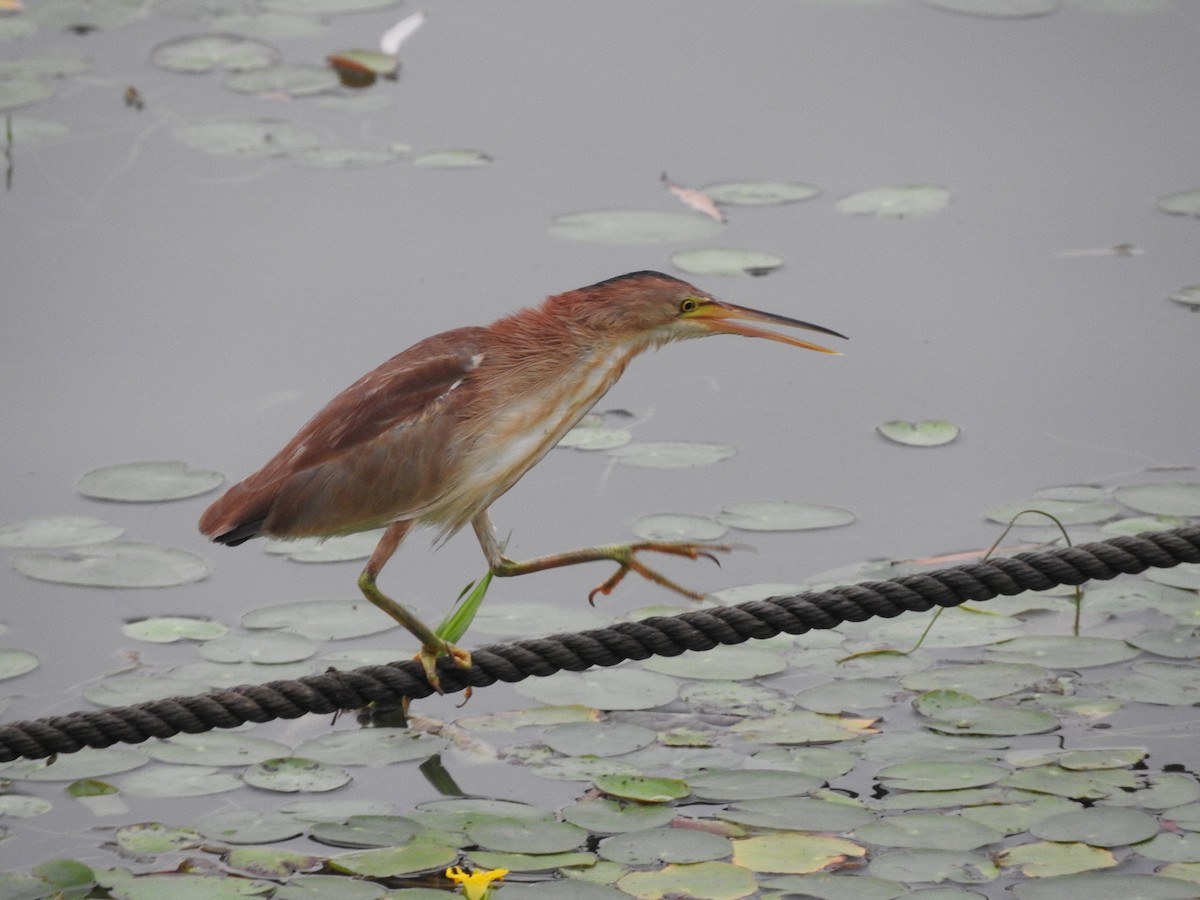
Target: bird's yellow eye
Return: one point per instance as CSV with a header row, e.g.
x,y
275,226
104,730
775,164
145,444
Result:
x,y
688,305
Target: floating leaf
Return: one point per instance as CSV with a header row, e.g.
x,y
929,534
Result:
x,y
456,158
793,853
58,531
803,728
985,719
1105,886
1188,295
998,9
939,775
525,835
934,865
264,649
127,564
1180,499
341,158
148,482
1045,858
760,193
656,846
678,527
215,748
604,816
603,689
321,620
180,781
643,788
730,663
366,831
725,261
169,629
1100,826
1064,652
205,52
391,862
18,92
783,515
1066,511
667,455
936,832
86,763
597,738
984,681
799,814
897,202
926,433
14,662
633,226
289,79
248,826
245,137
292,773
749,784
703,880
123,690
371,747
1183,203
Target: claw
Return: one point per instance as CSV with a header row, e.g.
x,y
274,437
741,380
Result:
x,y
626,558
428,657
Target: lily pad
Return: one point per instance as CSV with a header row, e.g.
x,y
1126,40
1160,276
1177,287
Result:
x,y
794,853
169,629
1105,886
603,689
216,748
371,747
643,788
524,835
939,775
14,662
366,831
633,226
656,846
783,515
262,648
289,79
926,433
245,137
452,159
18,92
1188,295
1066,511
1100,826
901,201
342,158
998,9
1064,652
678,527
937,832
605,816
292,773
725,261
205,52
729,663
86,763
124,564
180,781
391,862
760,193
148,482
702,881
321,620
58,531
598,738
1179,499
248,826
1181,203
668,455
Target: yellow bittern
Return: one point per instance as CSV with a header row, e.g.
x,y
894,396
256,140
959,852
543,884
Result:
x,y
438,432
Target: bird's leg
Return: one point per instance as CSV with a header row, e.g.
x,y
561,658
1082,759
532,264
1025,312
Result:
x,y
432,646
624,555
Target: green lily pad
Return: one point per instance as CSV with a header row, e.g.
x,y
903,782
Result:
x,y
702,881
264,648
245,137
925,830
248,826
1069,512
678,527
125,564
292,773
985,719
525,835
1099,826
1179,499
798,814
1179,643
205,52
783,515
922,865
148,482
643,788
939,775
86,763
14,662
793,853
288,79
18,92
729,663
760,193
667,455
366,831
901,201
58,531
750,784
984,681
603,689
277,863
371,747
215,748
725,261
598,738
664,845
605,816
926,433
633,226
530,862
1064,652
1105,886
1048,858
452,159
803,728
180,781
321,620
1181,203
169,629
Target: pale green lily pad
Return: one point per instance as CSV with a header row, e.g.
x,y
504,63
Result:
x,y
643,788
1165,791
671,455
245,137
194,887
1179,499
45,67
725,261
1139,524
985,719
984,681
19,806
998,9
366,831
1062,782
799,814
897,202
678,527
956,627
749,784
1127,596
701,881
205,52
1105,886
1177,643
926,830
1182,203
728,663
803,728
921,865
1066,511
664,845
1047,858
58,531
169,629
760,193
535,619
793,853
281,864
939,775
148,482
124,690
153,838
1188,295
1064,652
31,132
342,158
391,862
818,762
834,886
180,781
1108,758
86,763
1100,826
722,696
288,79
926,433
14,662
215,748
530,862
263,648
63,14
848,695
452,159
597,738
325,810
783,515
321,620
1171,847
326,7
267,26
605,816
248,826
603,689
1184,575
633,226
595,436
18,92
525,835
371,747
292,773
124,564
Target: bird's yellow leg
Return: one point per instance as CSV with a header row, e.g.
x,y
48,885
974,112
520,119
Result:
x,y
432,646
624,555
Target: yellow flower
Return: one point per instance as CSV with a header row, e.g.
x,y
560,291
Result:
x,y
475,885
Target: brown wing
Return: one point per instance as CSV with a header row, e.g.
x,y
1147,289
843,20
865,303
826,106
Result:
x,y
377,451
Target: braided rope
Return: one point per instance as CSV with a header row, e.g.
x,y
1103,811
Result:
x,y
657,636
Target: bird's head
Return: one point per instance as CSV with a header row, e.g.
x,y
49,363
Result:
x,y
651,308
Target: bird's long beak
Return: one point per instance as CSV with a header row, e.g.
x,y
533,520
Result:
x,y
725,318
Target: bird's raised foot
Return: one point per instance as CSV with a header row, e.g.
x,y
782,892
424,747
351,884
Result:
x,y
625,556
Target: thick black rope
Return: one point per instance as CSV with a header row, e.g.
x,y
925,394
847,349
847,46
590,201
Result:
x,y
657,636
